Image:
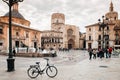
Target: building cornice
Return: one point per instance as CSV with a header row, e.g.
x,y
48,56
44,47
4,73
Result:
x,y
21,26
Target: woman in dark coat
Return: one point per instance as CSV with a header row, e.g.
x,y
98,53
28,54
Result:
x,y
90,53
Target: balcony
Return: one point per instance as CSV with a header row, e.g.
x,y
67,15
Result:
x,y
18,37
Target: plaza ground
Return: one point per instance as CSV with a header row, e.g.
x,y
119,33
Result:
x,y
72,65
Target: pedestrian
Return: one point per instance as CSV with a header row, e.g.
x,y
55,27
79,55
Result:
x,y
107,53
110,52
90,53
94,53
101,53
98,53
14,52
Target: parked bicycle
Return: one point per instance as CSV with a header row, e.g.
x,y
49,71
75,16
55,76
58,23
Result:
x,y
35,70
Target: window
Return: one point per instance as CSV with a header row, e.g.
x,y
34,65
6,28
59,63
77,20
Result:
x,y
35,36
27,35
99,28
70,32
1,30
89,29
17,33
99,37
89,37
107,42
1,44
107,27
57,21
99,43
106,37
116,42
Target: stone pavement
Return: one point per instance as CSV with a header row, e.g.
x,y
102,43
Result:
x,y
69,68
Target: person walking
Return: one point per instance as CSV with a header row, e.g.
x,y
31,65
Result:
x,y
101,53
107,53
90,53
94,53
110,52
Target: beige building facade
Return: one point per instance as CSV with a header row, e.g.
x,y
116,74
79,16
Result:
x,y
51,39
22,34
94,34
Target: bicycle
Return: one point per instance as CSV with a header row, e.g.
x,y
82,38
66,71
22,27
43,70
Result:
x,y
35,70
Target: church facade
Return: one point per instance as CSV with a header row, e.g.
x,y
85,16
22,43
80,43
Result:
x,y
94,34
61,35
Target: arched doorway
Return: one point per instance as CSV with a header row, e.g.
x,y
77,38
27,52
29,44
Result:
x,y
70,44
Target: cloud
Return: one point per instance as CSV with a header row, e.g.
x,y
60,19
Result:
x,y
78,12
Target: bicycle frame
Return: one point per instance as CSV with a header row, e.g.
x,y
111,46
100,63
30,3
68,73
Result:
x,y
35,70
40,71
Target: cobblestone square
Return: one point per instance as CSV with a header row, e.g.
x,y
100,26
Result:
x,y
72,65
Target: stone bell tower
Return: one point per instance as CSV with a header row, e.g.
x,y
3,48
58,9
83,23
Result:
x,y
112,15
57,21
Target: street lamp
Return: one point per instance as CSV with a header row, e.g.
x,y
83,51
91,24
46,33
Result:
x,y
10,60
102,24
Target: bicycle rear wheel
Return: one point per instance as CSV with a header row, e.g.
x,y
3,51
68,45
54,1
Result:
x,y
33,72
51,71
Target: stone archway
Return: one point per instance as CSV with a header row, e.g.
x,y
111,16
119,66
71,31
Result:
x,y
71,44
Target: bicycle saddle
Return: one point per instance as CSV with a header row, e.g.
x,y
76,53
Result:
x,y
37,62
46,58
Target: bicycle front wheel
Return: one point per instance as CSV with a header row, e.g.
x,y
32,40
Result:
x,y
51,71
33,72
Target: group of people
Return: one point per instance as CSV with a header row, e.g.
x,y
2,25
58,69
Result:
x,y
101,53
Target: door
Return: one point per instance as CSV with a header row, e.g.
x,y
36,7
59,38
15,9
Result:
x,y
89,45
69,46
35,44
17,43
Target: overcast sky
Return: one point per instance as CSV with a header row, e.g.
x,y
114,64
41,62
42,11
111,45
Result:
x,y
77,12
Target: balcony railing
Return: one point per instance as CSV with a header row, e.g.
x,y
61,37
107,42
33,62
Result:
x,y
18,37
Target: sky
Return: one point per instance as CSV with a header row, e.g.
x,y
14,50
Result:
x,y
77,12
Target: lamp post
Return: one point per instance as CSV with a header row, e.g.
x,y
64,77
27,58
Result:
x,y
10,60
102,24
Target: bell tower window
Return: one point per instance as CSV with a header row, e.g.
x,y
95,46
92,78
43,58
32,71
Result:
x,y
115,18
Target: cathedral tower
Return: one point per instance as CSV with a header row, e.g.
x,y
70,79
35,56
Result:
x,y
57,21
111,7
112,15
